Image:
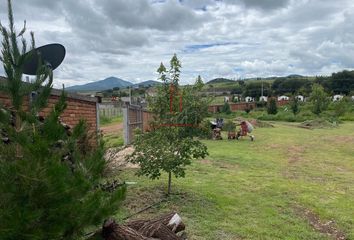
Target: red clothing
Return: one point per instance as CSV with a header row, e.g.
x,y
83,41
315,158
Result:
x,y
244,129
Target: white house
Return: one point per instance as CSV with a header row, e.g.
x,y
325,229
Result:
x,y
249,99
353,98
226,99
283,98
263,99
300,98
337,97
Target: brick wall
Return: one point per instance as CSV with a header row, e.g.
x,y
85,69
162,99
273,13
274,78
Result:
x,y
77,108
282,102
233,106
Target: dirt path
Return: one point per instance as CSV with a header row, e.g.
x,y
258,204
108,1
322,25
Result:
x,y
112,128
328,228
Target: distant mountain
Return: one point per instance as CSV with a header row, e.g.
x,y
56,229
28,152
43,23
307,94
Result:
x,y
295,76
148,83
105,84
220,80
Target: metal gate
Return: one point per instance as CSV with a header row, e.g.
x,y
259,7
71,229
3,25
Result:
x,y
133,118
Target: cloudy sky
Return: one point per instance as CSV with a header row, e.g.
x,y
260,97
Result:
x,y
212,38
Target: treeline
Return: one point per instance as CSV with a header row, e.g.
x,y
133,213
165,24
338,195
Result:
x,y
337,83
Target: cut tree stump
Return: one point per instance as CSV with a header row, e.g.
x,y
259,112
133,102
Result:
x,y
164,227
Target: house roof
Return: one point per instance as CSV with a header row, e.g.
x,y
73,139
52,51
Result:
x,y
57,92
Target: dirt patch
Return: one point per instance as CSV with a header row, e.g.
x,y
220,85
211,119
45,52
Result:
x,y
295,153
326,227
206,161
112,128
219,164
317,124
137,200
340,139
115,158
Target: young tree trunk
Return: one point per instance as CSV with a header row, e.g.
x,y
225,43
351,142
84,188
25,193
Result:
x,y
169,183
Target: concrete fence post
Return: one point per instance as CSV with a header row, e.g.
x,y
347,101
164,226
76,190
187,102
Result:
x,y
126,129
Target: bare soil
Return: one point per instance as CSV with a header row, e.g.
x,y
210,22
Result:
x,y
295,153
112,128
326,227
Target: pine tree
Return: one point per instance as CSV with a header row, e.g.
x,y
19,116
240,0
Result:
x,y
171,145
49,179
294,105
226,108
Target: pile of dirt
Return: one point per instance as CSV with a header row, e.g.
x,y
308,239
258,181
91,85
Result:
x,y
255,122
317,124
115,158
260,124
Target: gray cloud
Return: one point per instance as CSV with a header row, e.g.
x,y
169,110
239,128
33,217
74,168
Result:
x,y
140,14
262,4
129,39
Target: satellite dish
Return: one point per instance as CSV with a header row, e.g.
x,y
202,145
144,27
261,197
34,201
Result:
x,y
52,55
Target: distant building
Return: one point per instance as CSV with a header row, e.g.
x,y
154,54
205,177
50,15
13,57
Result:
x,y
337,97
283,98
352,98
263,99
226,99
249,99
300,98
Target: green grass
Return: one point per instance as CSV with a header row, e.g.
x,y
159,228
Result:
x,y
251,190
114,138
110,120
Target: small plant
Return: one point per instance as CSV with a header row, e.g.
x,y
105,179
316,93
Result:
x,y
172,145
272,107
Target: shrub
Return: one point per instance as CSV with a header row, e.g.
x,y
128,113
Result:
x,y
272,107
319,99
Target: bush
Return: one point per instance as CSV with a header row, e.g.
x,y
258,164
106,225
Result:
x,y
340,107
229,126
272,107
319,99
261,104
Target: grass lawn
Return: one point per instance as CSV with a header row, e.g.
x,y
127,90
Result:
x,y
273,188
112,131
